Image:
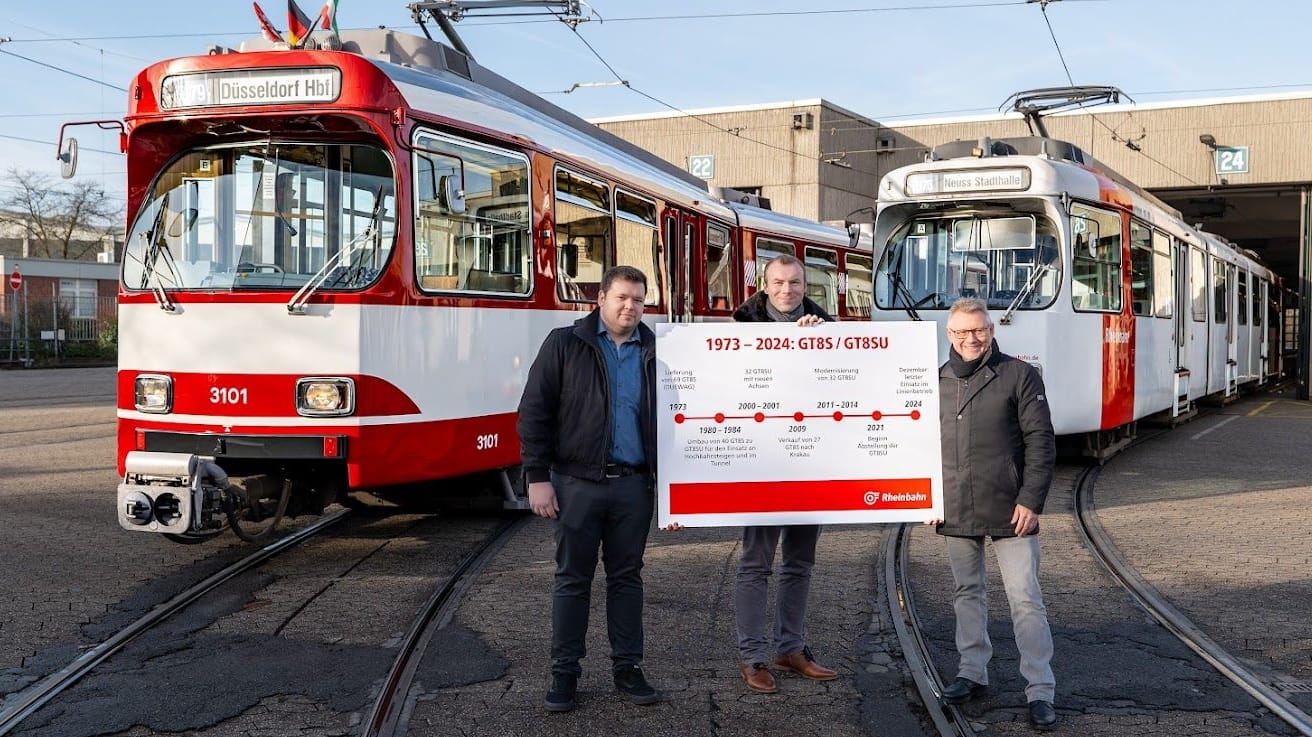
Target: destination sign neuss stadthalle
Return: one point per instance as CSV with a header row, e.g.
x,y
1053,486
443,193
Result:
x,y
967,181
250,87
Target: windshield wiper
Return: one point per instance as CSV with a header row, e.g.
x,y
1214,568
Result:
x,y
157,250
899,288
1030,284
299,301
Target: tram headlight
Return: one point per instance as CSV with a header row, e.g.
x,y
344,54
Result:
x,y
325,397
154,393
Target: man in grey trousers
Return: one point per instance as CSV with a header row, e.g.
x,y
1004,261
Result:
x,y
998,456
783,300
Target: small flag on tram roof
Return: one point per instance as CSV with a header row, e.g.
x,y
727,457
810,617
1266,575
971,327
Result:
x,y
266,28
298,24
329,16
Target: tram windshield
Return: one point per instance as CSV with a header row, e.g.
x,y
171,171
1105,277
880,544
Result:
x,y
931,262
265,216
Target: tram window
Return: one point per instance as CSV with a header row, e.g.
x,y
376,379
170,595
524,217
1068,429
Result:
x,y
1141,269
1220,290
1259,288
719,268
1096,260
1163,279
860,285
471,217
265,216
931,262
582,236
766,250
637,241
1198,284
822,277
1242,312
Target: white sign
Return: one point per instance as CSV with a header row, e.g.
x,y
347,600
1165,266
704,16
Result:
x,y
1231,159
771,423
250,87
702,165
934,182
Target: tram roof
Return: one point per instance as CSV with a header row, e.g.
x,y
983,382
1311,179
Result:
x,y
435,78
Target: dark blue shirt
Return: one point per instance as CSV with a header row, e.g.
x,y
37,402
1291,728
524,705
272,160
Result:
x,y
624,372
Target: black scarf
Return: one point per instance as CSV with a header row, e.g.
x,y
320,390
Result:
x,y
961,368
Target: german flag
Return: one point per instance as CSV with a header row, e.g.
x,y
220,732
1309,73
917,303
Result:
x,y
299,25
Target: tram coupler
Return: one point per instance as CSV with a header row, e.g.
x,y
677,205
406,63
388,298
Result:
x,y
173,493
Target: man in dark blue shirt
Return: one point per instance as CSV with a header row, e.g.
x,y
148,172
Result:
x,y
588,440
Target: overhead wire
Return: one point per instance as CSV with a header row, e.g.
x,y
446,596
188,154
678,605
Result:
x,y
699,118
1116,136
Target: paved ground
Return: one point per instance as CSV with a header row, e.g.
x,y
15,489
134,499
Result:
x,y
302,644
1215,515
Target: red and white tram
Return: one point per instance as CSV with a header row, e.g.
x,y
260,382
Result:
x,y
342,262
1126,309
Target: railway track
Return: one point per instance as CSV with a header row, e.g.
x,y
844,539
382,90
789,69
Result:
x,y
34,697
1176,622
949,720
385,718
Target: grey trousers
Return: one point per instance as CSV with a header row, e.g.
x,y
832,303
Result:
x,y
754,569
1018,562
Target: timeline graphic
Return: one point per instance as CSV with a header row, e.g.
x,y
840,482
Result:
x,y
720,417
775,423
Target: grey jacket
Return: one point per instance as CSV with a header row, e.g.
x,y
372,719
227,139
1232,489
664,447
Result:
x,y
998,446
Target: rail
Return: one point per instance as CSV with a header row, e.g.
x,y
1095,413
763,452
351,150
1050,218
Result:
x,y
949,720
384,718
1100,544
40,693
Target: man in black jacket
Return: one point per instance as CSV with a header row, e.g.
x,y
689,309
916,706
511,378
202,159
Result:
x,y
998,456
587,432
782,300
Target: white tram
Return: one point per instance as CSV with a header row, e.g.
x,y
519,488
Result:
x,y
1126,309
341,263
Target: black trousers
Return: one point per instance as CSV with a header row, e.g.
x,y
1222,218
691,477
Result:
x,y
613,516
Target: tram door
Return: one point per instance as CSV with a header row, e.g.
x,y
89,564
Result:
x,y
1183,304
1183,378
680,245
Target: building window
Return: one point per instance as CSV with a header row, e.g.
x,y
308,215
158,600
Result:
x,y
78,297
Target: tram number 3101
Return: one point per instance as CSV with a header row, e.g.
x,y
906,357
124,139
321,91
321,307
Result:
x,y
487,442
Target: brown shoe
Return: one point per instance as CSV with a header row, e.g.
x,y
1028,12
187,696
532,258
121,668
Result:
x,y
758,677
804,665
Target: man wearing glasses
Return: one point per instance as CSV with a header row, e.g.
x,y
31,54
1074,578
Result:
x,y
998,456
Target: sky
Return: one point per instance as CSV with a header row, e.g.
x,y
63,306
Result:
x,y
891,60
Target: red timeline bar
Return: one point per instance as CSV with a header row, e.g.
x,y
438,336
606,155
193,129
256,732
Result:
x,y
799,496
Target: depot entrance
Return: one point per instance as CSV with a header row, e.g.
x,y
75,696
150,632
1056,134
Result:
x,y
1272,222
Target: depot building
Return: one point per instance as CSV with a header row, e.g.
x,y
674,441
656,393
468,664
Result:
x,y
1239,167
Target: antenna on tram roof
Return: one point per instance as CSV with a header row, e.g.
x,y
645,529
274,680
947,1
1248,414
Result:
x,y
1033,104
444,12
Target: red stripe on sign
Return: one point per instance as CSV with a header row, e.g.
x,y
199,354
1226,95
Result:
x,y
800,496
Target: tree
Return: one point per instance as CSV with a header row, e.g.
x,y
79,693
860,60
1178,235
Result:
x,y
67,221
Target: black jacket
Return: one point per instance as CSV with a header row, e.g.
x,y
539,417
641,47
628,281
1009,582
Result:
x,y
998,446
753,309
564,414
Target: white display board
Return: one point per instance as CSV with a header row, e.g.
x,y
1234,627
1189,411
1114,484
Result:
x,y
776,424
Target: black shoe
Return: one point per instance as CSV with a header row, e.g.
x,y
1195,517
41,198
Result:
x,y
962,690
561,695
630,682
1042,715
